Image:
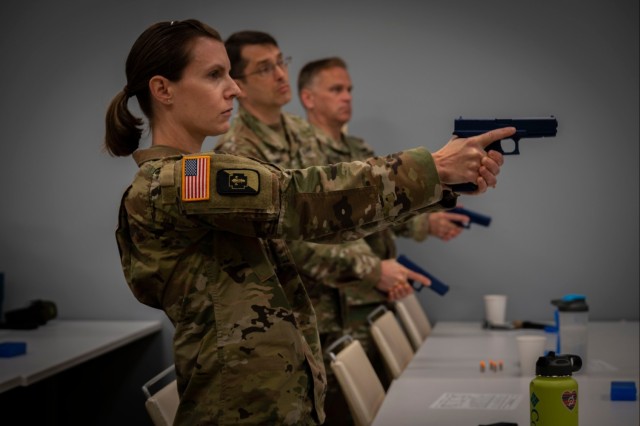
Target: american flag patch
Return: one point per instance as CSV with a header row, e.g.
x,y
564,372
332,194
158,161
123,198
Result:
x,y
195,178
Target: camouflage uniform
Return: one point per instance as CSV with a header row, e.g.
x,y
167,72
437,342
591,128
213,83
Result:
x,y
329,272
358,301
246,346
326,270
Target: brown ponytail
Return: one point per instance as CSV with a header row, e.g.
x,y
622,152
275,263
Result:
x,y
162,49
123,129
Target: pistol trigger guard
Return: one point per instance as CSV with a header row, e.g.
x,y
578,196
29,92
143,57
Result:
x,y
462,225
500,149
416,286
516,150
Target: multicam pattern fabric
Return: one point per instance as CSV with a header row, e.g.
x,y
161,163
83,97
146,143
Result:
x,y
246,345
325,269
342,278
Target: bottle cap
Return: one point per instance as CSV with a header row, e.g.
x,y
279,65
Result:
x,y
557,365
571,303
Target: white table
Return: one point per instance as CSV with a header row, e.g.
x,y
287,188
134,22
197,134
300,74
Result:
x,y
446,368
62,344
455,349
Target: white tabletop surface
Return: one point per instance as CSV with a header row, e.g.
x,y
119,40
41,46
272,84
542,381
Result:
x,y
447,367
455,349
61,344
413,401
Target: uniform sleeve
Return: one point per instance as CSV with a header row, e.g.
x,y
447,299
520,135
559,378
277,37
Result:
x,y
336,265
416,228
339,202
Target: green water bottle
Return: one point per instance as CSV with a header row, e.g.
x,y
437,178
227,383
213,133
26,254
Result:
x,y
553,393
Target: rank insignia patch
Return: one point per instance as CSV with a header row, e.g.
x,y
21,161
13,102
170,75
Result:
x,y
238,181
195,178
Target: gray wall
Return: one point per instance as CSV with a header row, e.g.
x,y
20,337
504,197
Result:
x,y
565,212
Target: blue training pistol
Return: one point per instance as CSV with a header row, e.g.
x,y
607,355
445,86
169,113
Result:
x,y
474,217
436,285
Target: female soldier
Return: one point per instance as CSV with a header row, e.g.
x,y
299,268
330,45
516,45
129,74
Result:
x,y
197,232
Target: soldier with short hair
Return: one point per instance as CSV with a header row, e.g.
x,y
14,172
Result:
x,y
325,92
346,281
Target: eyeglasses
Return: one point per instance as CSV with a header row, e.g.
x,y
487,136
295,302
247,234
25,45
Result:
x,y
267,69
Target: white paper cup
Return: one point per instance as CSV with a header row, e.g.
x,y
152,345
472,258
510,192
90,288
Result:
x,y
495,308
530,348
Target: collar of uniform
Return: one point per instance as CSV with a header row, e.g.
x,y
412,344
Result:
x,y
325,139
266,134
156,152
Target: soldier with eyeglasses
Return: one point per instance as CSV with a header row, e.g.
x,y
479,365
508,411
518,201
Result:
x,y
261,129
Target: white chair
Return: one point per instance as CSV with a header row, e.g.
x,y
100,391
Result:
x,y
358,380
390,340
162,404
413,319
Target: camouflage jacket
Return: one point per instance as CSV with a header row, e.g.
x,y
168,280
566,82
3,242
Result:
x,y
382,243
336,277
199,238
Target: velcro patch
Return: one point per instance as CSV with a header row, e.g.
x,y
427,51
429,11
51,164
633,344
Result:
x,y
238,181
195,178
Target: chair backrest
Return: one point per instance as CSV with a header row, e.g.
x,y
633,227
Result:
x,y
414,319
390,339
162,404
358,380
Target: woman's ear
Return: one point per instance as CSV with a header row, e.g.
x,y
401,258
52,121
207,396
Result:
x,y
161,90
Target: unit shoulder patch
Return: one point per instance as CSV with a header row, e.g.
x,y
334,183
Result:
x,y
238,182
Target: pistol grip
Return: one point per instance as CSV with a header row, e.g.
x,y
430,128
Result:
x,y
464,187
493,146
